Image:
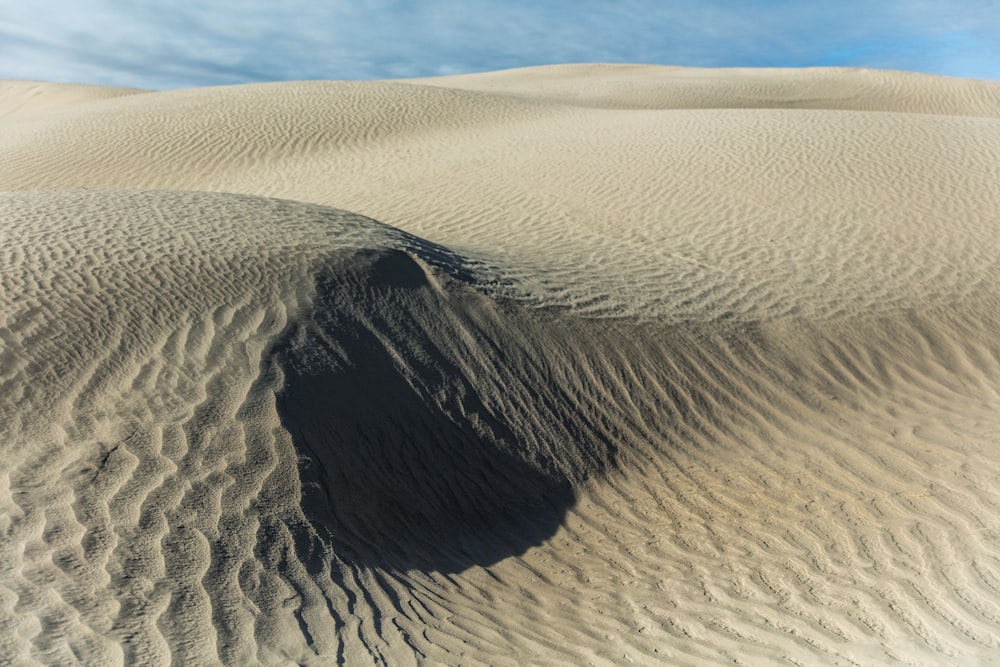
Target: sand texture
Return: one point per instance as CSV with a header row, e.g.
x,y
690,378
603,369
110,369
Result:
x,y
566,365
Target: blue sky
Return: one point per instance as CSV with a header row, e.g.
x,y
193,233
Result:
x,y
171,44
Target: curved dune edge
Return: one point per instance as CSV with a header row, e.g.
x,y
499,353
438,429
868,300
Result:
x,y
25,98
624,86
841,207
466,468
271,432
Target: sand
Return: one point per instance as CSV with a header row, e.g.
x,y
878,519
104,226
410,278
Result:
x,y
580,364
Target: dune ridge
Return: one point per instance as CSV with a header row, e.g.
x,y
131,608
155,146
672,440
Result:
x,y
719,193
609,364
646,87
26,98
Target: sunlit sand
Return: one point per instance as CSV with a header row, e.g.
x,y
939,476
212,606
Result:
x,y
569,365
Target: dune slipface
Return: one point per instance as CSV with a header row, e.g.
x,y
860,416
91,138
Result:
x,y
606,364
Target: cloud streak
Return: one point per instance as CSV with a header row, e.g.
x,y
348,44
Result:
x,y
155,44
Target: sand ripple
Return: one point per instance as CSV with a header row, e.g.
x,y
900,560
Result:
x,y
652,365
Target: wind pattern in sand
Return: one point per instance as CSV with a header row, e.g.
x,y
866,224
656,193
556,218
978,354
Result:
x,y
606,364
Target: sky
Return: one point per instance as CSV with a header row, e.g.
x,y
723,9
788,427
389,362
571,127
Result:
x,y
163,44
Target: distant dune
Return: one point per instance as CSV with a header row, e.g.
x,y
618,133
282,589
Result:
x,y
584,364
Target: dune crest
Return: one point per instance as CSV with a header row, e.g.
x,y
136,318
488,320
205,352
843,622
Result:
x,y
25,98
609,364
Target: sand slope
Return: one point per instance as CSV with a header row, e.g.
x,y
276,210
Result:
x,y
610,364
26,98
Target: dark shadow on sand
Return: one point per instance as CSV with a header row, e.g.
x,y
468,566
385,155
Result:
x,y
402,465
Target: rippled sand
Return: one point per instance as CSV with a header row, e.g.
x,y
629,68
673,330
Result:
x,y
606,364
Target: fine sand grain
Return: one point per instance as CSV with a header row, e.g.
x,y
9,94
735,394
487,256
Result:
x,y
605,364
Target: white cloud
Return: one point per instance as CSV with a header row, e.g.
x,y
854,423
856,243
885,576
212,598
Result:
x,y
153,43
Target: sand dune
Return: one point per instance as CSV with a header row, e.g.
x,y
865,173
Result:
x,y
606,364
29,97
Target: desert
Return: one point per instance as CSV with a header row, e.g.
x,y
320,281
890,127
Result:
x,y
574,364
